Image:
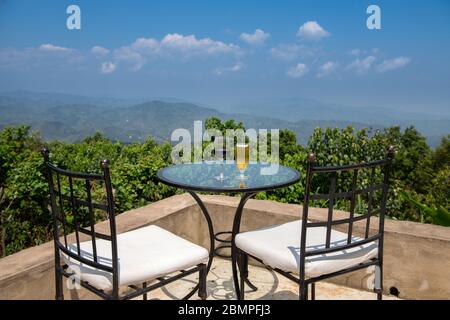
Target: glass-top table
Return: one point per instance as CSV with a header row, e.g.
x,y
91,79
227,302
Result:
x,y
226,178
216,177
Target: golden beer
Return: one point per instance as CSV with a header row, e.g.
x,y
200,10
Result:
x,y
242,157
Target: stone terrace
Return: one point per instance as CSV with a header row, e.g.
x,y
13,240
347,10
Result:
x,y
416,255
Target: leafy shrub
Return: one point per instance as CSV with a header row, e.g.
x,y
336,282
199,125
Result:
x,y
25,216
419,186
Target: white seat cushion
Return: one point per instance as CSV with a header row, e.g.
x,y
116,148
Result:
x,y
279,247
144,254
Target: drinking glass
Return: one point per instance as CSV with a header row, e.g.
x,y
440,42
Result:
x,y
221,155
242,158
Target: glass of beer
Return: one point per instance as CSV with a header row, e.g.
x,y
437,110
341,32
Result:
x,y
242,158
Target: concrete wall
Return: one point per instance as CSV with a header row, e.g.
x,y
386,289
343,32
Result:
x,y
417,256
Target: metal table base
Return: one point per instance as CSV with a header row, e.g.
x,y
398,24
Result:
x,y
213,251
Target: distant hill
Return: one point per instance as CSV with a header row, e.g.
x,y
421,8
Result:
x,y
48,99
433,126
294,109
72,122
72,118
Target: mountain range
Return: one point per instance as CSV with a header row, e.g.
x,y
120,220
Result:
x,y
72,117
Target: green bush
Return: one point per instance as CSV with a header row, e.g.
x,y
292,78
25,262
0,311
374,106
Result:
x,y
25,216
419,185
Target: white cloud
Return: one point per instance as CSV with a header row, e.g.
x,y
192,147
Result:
x,y
44,50
361,66
191,45
140,51
392,64
129,56
13,57
256,38
327,68
52,48
291,51
359,52
99,51
235,68
297,71
134,56
108,67
312,30
355,52
36,56
238,66
146,45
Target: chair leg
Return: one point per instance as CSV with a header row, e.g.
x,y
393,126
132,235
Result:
x,y
144,285
243,270
378,287
59,293
303,295
313,291
59,284
202,282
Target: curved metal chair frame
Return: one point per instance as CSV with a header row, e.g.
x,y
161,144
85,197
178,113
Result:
x,y
61,227
304,282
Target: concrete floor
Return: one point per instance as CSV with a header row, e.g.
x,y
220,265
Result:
x,y
271,286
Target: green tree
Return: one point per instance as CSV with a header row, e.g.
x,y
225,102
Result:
x,y
441,156
413,164
216,123
288,143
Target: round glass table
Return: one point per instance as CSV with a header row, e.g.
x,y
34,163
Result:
x,y
226,178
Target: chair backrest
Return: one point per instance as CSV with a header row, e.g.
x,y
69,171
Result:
x,y
361,181
73,209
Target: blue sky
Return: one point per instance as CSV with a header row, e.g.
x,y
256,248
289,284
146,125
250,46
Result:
x,y
227,52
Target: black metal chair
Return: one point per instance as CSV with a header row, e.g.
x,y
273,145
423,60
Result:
x,y
307,252
104,263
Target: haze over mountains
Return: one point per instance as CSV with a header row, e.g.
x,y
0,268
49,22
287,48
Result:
x,y
72,117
